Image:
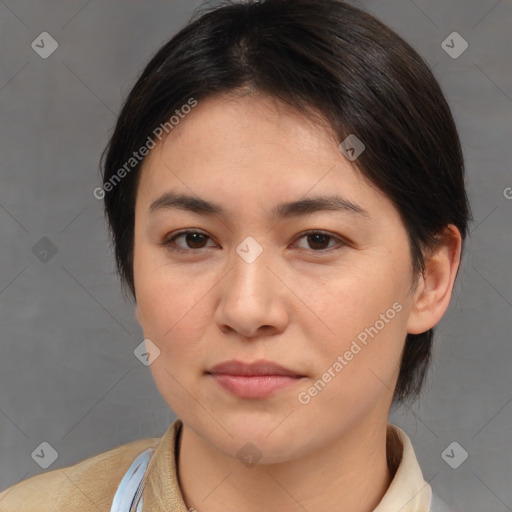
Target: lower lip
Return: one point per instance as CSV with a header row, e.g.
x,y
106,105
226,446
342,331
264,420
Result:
x,y
254,386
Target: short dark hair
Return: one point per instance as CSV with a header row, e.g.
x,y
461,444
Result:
x,y
334,62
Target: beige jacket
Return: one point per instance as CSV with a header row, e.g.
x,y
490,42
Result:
x,y
92,483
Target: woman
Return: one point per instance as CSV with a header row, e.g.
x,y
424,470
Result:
x,y
285,192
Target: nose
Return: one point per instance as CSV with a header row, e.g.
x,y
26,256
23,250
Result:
x,y
253,299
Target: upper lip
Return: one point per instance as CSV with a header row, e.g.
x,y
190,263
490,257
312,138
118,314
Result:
x,y
262,367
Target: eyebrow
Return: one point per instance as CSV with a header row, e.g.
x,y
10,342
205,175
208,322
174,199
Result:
x,y
336,203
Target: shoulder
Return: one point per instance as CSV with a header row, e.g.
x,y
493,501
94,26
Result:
x,y
87,485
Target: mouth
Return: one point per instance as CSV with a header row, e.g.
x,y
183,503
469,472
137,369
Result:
x,y
259,379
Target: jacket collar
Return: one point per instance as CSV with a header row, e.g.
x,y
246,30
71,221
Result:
x,y
408,491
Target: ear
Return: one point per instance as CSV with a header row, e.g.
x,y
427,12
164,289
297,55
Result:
x,y
434,288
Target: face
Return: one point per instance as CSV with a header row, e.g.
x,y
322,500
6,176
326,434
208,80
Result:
x,y
273,275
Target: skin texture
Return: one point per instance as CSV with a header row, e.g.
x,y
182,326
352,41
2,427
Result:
x,y
301,303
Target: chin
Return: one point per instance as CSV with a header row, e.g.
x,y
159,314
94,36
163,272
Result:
x,y
262,437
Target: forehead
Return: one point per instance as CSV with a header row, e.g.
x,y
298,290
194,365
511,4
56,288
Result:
x,y
237,126
250,149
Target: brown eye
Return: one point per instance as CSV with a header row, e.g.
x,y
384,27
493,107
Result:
x,y
194,240
319,241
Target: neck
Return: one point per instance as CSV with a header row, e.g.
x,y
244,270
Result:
x,y
350,474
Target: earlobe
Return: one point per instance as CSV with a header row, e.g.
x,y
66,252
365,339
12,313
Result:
x,y
434,290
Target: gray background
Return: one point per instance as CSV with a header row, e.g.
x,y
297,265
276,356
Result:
x,y
68,375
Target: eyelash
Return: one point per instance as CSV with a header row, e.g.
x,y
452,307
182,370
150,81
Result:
x,y
169,242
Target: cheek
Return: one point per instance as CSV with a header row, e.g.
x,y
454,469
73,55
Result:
x,y
365,310
176,312
168,295
350,299
356,369
173,315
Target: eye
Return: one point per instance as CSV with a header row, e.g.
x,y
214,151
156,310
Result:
x,y
319,239
193,239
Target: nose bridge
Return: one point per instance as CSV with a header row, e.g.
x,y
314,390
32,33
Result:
x,y
249,297
250,273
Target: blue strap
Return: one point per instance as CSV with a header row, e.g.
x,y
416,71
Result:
x,y
127,489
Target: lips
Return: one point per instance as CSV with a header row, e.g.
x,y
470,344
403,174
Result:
x,y
260,379
257,368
